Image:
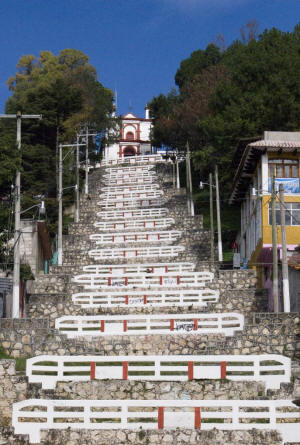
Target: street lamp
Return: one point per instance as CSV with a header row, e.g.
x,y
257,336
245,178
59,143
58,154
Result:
x,y
60,193
16,273
201,186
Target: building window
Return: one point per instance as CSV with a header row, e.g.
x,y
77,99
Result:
x,y
283,168
292,214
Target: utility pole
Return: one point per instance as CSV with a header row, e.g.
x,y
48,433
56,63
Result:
x,y
285,269
59,233
177,173
211,208
86,187
189,181
220,250
274,244
17,232
77,181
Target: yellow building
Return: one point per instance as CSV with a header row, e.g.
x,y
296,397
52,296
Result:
x,y
256,161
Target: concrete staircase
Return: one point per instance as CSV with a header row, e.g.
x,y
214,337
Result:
x,y
147,349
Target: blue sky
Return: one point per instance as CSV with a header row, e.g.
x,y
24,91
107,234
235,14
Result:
x,y
135,45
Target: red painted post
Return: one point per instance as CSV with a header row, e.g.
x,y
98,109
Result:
x,y
124,325
125,371
166,269
223,370
178,279
93,370
190,370
172,324
160,417
145,299
136,253
109,281
195,324
126,281
126,299
197,418
161,280
102,325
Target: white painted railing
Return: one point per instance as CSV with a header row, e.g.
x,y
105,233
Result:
x,y
280,415
138,202
124,170
126,214
132,160
138,194
153,268
138,252
165,298
129,188
173,279
138,174
130,180
159,368
135,237
150,223
195,324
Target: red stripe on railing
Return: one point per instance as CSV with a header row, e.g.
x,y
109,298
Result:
x,y
197,418
172,324
102,325
109,281
145,299
223,370
178,279
195,324
136,253
160,417
125,371
126,281
161,280
190,370
166,269
93,370
124,325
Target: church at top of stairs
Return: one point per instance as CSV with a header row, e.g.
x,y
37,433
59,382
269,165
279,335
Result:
x,y
133,137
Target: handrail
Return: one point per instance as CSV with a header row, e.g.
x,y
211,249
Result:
x,y
139,202
170,324
125,214
135,224
120,170
135,237
138,252
116,196
154,268
162,298
172,279
129,180
159,368
132,160
130,188
280,415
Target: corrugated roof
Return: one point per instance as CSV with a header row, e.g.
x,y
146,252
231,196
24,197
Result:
x,y
275,144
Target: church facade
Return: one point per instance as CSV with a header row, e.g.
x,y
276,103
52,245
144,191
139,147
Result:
x,y
134,137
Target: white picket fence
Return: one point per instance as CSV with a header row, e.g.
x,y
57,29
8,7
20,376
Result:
x,y
138,202
172,279
165,298
129,180
197,324
135,237
122,196
280,415
136,224
137,268
129,188
132,160
138,252
126,214
173,368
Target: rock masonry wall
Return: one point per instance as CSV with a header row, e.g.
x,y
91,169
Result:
x,y
51,298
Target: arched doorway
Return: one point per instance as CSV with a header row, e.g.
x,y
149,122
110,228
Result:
x,y
129,151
